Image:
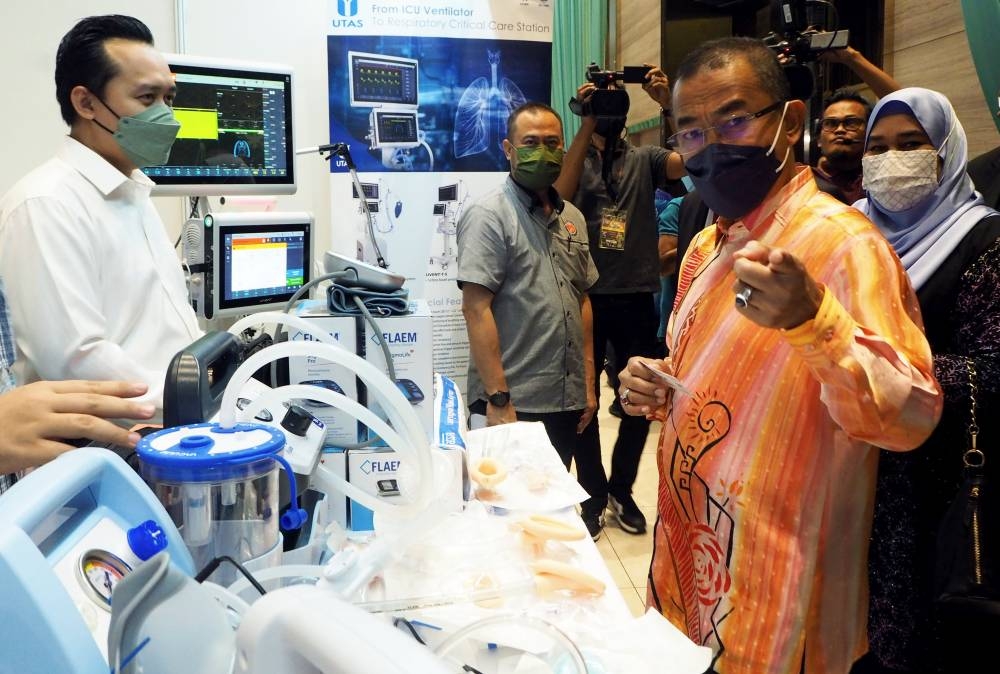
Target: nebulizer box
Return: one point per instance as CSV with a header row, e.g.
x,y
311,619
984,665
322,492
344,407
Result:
x,y
409,339
341,428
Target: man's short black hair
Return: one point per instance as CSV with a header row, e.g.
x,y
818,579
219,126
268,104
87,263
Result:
x,y
530,106
83,60
846,94
719,53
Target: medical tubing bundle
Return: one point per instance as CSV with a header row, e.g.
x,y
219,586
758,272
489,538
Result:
x,y
291,302
390,365
273,398
406,434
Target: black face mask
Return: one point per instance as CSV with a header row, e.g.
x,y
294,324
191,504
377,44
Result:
x,y
733,179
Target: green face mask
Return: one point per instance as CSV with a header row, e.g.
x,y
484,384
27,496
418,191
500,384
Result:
x,y
146,137
537,167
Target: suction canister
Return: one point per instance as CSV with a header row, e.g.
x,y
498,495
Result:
x,y
220,487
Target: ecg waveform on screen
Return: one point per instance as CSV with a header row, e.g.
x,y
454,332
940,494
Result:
x,y
225,127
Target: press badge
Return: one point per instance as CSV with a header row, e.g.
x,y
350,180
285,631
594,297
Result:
x,y
612,229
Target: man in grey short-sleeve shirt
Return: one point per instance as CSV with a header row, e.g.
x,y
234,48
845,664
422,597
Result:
x,y
524,267
538,268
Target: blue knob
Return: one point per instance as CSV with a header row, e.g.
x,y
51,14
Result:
x,y
147,539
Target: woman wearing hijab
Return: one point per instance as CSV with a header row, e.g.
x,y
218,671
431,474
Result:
x,y
921,198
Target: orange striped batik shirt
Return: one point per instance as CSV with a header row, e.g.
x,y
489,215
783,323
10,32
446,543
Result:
x,y
767,469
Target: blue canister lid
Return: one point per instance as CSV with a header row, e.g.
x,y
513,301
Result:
x,y
207,452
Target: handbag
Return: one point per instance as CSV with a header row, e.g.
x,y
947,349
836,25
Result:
x,y
968,592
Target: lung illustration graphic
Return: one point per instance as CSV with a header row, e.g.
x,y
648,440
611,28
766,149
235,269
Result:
x,y
483,110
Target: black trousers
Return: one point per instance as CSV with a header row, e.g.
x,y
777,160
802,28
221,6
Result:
x,y
629,323
583,448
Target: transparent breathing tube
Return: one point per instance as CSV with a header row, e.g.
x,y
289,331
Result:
x,y
404,432
575,658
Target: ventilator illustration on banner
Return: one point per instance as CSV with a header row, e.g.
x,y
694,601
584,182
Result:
x,y
409,104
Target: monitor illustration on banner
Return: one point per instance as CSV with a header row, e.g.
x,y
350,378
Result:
x,y
390,87
430,104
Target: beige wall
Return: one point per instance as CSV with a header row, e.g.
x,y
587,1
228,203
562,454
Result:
x,y
638,33
639,42
925,46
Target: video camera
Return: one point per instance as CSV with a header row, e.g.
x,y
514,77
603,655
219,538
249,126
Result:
x,y
796,40
607,102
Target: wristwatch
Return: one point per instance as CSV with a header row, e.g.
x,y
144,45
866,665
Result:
x,y
499,399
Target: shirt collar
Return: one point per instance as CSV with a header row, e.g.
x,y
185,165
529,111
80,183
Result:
x,y
779,208
530,200
98,170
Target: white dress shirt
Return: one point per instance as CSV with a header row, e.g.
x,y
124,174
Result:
x,y
94,288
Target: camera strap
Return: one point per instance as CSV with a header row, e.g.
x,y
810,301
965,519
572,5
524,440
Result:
x,y
607,164
611,146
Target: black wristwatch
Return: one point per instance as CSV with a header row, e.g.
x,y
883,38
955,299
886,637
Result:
x,y
499,399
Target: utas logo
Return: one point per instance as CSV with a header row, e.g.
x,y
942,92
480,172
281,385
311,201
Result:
x,y
347,9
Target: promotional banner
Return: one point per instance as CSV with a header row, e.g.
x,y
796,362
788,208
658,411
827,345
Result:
x,y
420,93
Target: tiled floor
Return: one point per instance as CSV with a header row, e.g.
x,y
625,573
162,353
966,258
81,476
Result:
x,y
627,555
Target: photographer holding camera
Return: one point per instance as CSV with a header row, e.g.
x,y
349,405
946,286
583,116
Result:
x,y
612,183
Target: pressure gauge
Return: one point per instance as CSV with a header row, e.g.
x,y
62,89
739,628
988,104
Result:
x,y
99,572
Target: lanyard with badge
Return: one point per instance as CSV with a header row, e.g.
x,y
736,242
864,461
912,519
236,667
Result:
x,y
614,220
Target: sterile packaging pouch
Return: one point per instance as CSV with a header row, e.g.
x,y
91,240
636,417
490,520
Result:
x,y
410,340
536,479
341,428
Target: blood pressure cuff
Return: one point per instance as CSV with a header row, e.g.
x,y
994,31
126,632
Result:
x,y
341,300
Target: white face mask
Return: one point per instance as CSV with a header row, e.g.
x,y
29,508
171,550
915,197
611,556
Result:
x,y
899,180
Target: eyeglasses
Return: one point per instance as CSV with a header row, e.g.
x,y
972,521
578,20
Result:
x,y
850,123
735,128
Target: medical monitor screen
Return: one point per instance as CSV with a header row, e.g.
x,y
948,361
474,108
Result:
x,y
448,193
395,128
261,264
378,80
370,190
236,130
439,209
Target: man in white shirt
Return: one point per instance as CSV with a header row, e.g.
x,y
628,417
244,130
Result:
x,y
94,287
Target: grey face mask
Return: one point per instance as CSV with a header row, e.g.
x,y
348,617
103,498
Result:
x,y
146,137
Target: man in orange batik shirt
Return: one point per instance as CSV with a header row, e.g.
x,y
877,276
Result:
x,y
799,344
